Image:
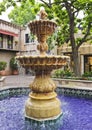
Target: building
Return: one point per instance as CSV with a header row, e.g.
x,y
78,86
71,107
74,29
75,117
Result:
x,y
30,42
14,39
85,56
10,41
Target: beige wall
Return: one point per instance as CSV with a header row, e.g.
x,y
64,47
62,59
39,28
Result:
x,y
22,40
6,56
85,49
7,53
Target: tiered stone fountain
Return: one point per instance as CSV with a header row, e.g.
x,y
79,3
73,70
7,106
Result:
x,y
42,103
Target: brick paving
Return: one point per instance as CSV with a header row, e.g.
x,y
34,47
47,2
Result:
x,y
18,80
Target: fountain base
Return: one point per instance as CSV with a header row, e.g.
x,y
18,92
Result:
x,y
44,119
42,109
54,123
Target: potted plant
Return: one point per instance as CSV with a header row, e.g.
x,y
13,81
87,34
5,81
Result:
x,y
14,65
16,42
3,65
10,44
1,41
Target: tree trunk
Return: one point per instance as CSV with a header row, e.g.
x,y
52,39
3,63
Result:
x,y
76,64
76,67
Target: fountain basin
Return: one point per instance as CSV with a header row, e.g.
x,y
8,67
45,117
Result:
x,y
43,62
76,111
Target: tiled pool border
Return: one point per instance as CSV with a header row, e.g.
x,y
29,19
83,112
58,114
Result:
x,y
9,92
83,93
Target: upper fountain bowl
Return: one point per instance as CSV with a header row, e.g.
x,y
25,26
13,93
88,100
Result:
x,y
42,27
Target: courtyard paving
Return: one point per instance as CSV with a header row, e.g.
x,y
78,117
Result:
x,y
18,81
23,80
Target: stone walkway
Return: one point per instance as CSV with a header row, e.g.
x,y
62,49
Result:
x,y
18,81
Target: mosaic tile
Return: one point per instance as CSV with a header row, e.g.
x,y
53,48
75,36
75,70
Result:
x,y
90,93
64,91
75,92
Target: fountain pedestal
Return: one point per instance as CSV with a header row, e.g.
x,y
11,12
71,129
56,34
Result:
x,y
42,108
42,102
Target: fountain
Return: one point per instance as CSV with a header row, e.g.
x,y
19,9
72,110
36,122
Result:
x,y
42,103
42,109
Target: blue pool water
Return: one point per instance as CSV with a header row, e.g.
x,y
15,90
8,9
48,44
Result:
x,y
77,115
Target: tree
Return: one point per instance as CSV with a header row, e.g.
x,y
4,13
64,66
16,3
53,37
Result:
x,y
66,13
51,42
22,14
5,4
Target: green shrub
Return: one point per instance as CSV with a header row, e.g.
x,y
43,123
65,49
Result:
x,y
62,73
59,73
13,64
87,74
68,73
3,65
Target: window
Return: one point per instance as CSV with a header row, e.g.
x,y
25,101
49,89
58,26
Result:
x,y
26,38
1,40
29,38
10,42
87,63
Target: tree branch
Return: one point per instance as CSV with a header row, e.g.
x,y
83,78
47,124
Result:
x,y
85,36
50,4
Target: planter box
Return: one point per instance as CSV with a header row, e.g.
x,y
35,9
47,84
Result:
x,y
2,81
73,83
15,72
2,72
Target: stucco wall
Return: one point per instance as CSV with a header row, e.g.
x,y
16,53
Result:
x,y
6,56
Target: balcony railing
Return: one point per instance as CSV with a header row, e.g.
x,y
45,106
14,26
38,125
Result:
x,y
10,46
6,46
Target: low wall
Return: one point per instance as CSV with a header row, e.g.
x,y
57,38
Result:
x,y
2,81
73,83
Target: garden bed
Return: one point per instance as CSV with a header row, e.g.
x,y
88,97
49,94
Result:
x,y
71,83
